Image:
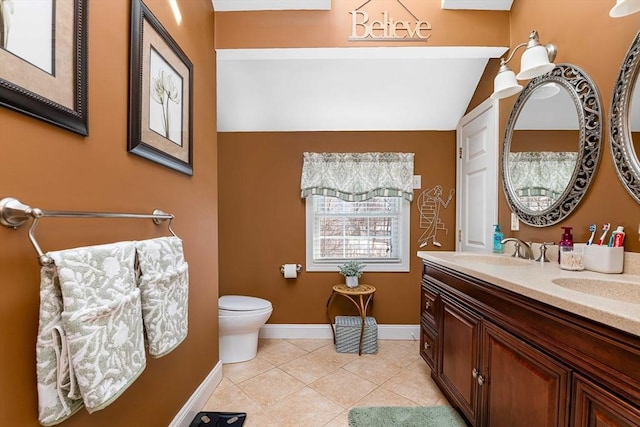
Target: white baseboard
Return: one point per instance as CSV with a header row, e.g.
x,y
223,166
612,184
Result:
x,y
323,331
283,331
302,331
198,398
399,332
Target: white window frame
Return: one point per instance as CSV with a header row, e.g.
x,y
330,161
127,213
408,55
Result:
x,y
401,264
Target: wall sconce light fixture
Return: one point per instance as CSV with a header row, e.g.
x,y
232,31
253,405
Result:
x,y
536,61
624,8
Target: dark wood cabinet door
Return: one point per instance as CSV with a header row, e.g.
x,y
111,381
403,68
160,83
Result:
x,y
522,386
596,407
459,335
428,346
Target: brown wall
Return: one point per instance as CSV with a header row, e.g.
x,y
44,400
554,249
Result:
x,y
262,219
307,29
54,169
50,168
563,23
545,140
259,232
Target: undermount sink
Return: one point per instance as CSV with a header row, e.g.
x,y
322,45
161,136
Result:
x,y
611,289
491,259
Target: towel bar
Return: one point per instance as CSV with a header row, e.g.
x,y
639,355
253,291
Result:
x,y
14,213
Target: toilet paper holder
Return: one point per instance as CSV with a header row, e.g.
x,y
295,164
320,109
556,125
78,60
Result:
x,y
298,268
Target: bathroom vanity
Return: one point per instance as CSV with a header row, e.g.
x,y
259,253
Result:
x,y
512,342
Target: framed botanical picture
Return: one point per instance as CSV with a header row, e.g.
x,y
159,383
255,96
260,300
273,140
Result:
x,y
160,94
43,60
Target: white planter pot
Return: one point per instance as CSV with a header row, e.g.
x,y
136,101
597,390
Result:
x,y
352,281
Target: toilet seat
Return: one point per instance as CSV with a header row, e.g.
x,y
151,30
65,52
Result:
x,y
240,303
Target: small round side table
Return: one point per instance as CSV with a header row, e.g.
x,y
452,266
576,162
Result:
x,y
360,296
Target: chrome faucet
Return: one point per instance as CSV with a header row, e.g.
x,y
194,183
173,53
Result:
x,y
543,252
527,253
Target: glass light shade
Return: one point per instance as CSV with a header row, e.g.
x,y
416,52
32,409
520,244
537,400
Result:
x,y
535,62
624,8
545,91
505,84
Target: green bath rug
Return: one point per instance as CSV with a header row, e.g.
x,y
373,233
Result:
x,y
405,416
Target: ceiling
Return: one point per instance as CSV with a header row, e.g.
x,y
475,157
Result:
x,y
547,109
412,88
343,89
244,5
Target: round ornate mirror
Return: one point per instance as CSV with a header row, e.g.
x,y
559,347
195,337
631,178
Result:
x,y
625,121
552,145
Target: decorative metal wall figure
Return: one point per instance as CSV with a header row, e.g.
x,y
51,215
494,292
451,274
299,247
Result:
x,y
429,203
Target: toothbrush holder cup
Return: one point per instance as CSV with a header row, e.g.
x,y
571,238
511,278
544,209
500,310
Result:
x,y
604,259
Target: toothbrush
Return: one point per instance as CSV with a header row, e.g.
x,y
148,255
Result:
x,y
605,228
592,229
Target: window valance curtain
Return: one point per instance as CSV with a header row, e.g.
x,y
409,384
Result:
x,y
354,177
544,169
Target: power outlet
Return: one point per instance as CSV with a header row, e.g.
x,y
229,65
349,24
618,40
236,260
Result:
x,y
515,222
417,181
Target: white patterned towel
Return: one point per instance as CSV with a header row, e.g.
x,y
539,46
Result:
x,y
58,397
164,287
102,319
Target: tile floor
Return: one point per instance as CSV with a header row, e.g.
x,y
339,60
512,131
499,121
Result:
x,y
299,382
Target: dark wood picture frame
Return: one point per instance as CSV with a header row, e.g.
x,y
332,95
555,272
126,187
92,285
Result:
x,y
160,83
58,96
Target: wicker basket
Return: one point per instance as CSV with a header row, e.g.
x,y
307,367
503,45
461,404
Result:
x,y
348,334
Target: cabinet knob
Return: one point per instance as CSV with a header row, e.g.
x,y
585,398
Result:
x,y
475,374
480,379
427,305
427,346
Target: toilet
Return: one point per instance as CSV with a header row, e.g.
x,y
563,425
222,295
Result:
x,y
240,318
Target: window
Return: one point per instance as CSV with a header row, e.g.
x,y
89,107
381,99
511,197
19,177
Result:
x,y
374,231
357,208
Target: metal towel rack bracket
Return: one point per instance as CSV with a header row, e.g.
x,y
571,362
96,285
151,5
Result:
x,y
14,213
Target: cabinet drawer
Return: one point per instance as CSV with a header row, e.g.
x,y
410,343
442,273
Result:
x,y
428,304
428,343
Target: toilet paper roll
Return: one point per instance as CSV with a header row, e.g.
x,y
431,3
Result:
x,y
290,271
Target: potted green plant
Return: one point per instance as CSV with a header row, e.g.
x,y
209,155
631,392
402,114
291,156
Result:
x,y
351,271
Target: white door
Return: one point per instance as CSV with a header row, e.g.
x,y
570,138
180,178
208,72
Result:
x,y
477,178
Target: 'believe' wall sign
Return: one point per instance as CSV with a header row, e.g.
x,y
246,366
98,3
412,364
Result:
x,y
388,28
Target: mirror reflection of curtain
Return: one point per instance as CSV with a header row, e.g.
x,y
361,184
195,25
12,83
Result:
x,y
539,178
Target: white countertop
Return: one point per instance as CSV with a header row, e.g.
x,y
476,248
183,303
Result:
x,y
534,280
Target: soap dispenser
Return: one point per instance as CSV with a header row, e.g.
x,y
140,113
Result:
x,y
566,242
498,248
